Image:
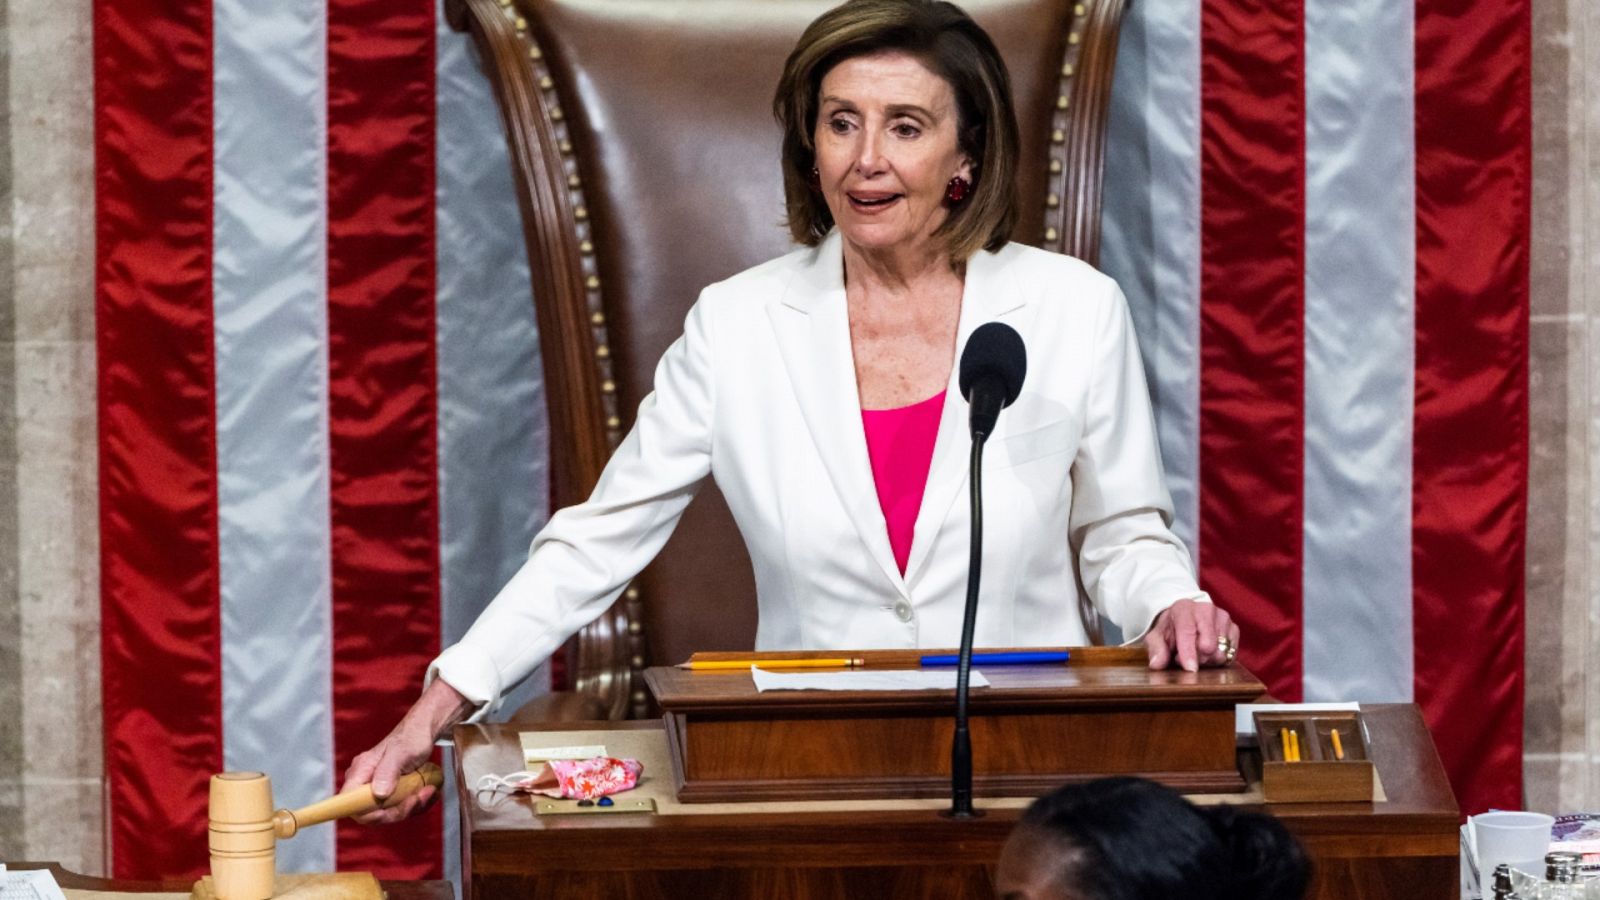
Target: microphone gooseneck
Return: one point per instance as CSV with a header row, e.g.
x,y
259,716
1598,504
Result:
x,y
961,741
992,369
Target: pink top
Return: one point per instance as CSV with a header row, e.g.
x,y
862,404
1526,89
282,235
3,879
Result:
x,y
900,445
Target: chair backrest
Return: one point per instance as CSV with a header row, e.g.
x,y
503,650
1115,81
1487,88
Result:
x,y
646,160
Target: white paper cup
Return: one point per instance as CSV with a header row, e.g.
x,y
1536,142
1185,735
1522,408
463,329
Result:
x,y
1520,839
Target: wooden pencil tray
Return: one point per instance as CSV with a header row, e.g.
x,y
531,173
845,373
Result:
x,y
1320,776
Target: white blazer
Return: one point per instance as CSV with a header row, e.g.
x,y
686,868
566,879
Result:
x,y
760,394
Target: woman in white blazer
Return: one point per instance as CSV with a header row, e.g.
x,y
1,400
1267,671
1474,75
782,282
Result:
x,y
899,158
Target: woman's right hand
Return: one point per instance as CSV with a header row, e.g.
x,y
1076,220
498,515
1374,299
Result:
x,y
405,748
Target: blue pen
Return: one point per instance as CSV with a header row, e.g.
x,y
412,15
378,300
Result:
x,y
1020,658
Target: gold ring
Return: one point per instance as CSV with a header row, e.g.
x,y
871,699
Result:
x,y
1229,651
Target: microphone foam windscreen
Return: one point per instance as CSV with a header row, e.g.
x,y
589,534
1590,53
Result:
x,y
995,350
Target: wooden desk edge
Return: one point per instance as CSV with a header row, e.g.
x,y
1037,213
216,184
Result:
x,y
69,880
1418,792
1079,656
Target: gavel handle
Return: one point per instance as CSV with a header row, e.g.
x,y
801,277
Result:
x,y
353,802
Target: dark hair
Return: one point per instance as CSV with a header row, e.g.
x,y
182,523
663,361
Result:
x,y
1132,839
949,43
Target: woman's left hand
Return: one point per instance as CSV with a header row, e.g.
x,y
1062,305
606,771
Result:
x,y
1193,634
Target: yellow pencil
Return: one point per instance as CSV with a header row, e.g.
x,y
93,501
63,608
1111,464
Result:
x,y
1294,745
727,665
1338,748
1283,736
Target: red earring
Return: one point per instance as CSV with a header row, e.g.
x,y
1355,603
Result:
x,y
957,190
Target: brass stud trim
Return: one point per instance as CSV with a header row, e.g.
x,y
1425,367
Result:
x,y
1055,167
1066,70
1050,234
580,227
1078,10
1053,201
1058,137
631,593
1073,38
1062,102
533,53
522,24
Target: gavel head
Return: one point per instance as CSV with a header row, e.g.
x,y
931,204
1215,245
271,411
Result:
x,y
241,837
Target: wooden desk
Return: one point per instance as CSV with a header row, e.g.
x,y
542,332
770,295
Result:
x,y
1034,728
72,881
1403,847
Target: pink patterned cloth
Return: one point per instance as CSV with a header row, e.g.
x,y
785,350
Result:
x,y
900,446
586,779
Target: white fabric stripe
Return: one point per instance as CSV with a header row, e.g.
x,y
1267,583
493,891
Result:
x,y
1151,225
493,432
1360,264
271,383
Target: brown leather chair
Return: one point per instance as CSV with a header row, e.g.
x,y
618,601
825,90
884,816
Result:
x,y
646,162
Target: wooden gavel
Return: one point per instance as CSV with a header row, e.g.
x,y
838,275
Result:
x,y
245,830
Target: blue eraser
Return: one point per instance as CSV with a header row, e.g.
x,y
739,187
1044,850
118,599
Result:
x,y
606,801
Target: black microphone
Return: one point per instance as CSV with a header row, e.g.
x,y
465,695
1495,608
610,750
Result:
x,y
992,368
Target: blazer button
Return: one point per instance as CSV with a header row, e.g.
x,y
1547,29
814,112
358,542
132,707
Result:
x,y
902,611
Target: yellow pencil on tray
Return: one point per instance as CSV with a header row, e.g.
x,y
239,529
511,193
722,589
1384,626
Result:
x,y
728,665
1338,747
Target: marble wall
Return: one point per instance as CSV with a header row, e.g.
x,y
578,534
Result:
x,y
51,797
1562,735
10,624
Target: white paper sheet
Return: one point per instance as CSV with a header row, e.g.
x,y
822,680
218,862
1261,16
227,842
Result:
x,y
863,680
29,884
535,750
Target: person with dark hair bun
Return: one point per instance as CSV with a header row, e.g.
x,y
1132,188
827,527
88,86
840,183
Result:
x,y
1132,839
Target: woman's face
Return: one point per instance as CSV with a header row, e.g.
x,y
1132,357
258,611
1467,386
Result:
x,y
886,143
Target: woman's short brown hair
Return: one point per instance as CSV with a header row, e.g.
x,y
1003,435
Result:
x,y
952,46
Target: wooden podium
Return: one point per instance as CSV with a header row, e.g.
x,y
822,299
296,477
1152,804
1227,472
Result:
x,y
879,842
1033,729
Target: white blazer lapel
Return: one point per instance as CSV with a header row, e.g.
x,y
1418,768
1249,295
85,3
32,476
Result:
x,y
989,293
812,326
